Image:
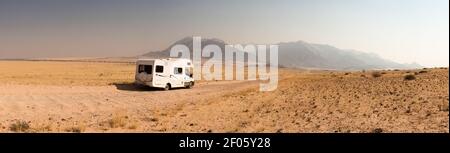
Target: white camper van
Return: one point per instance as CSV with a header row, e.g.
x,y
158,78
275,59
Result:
x,y
164,73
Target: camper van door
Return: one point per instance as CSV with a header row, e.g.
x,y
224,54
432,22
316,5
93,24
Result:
x,y
160,77
177,77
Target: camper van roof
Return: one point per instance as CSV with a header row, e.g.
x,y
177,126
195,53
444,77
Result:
x,y
168,59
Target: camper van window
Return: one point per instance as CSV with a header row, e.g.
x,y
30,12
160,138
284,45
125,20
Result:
x,y
145,68
159,69
178,70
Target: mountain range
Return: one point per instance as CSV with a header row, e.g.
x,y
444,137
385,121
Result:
x,y
301,54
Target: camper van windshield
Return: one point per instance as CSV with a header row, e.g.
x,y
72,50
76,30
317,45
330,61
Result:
x,y
188,71
145,68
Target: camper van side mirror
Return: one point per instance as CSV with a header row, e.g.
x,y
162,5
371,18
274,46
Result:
x,y
191,75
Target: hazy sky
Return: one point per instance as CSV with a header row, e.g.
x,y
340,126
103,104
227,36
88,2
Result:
x,y
399,30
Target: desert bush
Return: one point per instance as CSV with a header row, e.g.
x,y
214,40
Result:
x,y
423,71
133,126
117,120
19,126
409,77
376,74
76,129
377,130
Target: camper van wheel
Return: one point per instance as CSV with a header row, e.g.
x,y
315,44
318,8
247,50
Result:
x,y
167,87
190,85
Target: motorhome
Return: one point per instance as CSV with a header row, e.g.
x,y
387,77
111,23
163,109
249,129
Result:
x,y
165,73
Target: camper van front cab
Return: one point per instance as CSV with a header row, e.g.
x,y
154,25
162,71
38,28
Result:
x,y
164,73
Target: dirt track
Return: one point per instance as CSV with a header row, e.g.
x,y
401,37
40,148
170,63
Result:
x,y
61,106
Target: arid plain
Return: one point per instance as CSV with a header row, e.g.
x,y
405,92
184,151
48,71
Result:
x,y
99,96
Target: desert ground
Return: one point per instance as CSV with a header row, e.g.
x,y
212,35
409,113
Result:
x,y
89,96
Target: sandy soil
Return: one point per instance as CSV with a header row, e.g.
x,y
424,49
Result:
x,y
40,96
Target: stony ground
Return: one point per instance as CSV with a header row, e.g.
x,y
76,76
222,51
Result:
x,y
100,97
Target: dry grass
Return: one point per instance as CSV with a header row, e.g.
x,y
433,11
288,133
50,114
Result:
x,y
64,73
119,119
43,127
327,102
305,101
77,127
20,126
133,125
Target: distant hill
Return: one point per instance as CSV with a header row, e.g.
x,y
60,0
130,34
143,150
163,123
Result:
x,y
188,42
301,54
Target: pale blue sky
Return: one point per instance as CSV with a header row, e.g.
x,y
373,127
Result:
x,y
399,30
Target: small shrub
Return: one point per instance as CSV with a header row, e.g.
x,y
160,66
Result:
x,y
376,74
75,129
423,71
409,77
377,130
117,120
443,107
19,126
155,119
132,127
